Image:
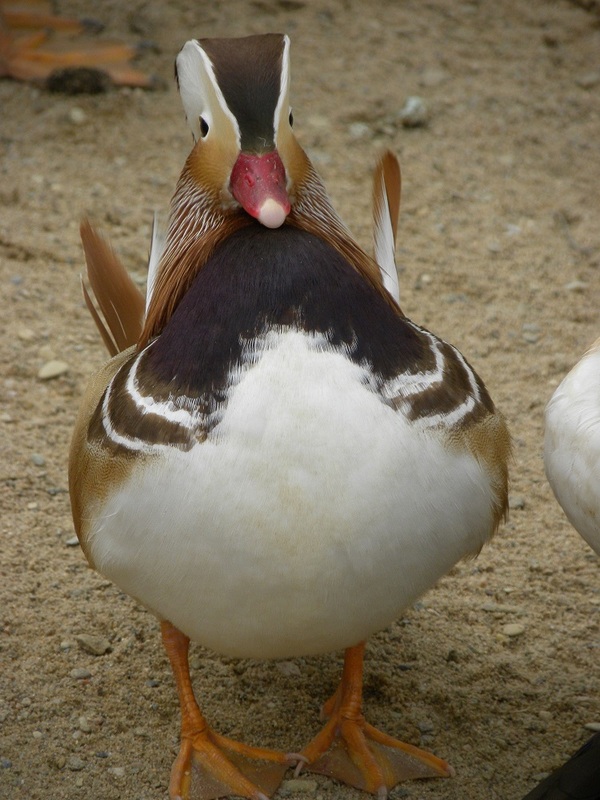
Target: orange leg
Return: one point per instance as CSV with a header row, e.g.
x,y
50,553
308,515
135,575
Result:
x,y
351,750
25,58
203,770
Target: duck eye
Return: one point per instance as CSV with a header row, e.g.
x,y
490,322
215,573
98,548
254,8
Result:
x,y
203,127
291,119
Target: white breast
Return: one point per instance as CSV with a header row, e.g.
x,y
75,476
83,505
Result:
x,y
310,517
572,446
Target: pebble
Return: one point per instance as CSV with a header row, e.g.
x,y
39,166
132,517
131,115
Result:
x,y
513,629
84,725
592,726
414,113
531,332
96,645
75,764
26,334
359,130
77,115
5,763
118,772
38,460
433,77
516,502
298,785
52,369
576,286
80,673
494,246
72,542
38,735
588,80
289,668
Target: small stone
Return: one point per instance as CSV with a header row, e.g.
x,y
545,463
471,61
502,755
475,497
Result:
x,y
414,113
577,286
75,764
52,369
516,502
59,762
37,735
38,460
118,772
77,115
433,77
359,130
195,662
96,645
5,763
80,674
592,726
513,629
588,80
72,542
32,506
298,786
494,246
143,734
26,334
289,668
84,725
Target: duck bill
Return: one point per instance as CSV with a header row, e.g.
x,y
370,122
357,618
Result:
x,y
258,183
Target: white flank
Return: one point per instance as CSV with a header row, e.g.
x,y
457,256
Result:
x,y
572,446
311,516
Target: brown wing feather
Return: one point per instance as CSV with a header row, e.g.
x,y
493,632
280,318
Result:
x,y
119,299
389,168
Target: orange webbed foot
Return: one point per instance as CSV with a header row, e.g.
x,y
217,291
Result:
x,y
210,765
351,750
46,54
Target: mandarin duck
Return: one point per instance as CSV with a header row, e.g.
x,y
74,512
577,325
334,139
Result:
x,y
276,461
572,445
572,461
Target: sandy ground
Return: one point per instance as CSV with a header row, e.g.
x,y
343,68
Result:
x,y
499,248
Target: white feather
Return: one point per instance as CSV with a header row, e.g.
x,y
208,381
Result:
x,y
383,236
572,446
157,246
200,92
280,502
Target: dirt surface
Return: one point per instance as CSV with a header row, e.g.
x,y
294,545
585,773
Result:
x,y
499,249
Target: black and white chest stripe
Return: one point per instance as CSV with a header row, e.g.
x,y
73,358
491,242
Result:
x,y
252,292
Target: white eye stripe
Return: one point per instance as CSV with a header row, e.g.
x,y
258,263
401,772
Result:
x,y
283,101
200,91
